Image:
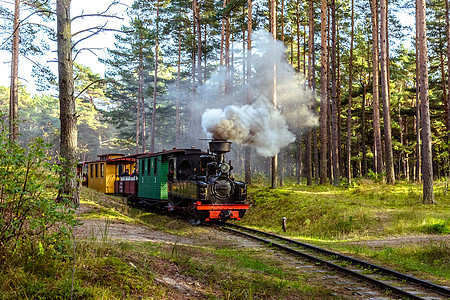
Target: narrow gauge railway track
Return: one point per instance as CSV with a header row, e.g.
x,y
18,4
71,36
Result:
x,y
389,280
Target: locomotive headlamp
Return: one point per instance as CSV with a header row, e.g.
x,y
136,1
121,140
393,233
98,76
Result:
x,y
224,168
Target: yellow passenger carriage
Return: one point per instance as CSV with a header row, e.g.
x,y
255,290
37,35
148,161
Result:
x,y
102,174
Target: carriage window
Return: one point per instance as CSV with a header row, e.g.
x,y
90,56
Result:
x,y
119,169
96,170
155,166
148,166
92,170
101,170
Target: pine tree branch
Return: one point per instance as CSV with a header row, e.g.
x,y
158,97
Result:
x,y
89,85
87,49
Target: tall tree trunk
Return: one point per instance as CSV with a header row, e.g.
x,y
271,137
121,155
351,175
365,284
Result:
x,y
247,167
417,123
68,115
378,152
281,166
339,102
311,79
304,51
329,104
323,92
282,21
350,88
227,55
282,152
447,22
401,160
222,36
177,138
244,51
407,168
194,56
299,160
14,88
363,131
205,61
274,88
427,162
141,99
334,110
444,87
199,41
291,57
297,22
390,177
363,116
138,121
155,82
357,165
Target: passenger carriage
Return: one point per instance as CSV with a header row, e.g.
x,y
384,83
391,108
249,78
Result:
x,y
109,174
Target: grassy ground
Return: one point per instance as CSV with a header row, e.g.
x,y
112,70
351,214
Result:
x,y
100,267
346,218
350,219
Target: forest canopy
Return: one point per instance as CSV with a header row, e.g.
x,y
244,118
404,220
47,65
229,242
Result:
x,y
353,66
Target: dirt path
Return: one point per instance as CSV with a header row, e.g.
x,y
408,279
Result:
x,y
397,241
116,230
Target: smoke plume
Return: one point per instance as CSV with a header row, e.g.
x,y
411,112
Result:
x,y
258,124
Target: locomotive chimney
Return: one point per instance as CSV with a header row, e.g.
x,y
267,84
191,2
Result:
x,y
220,147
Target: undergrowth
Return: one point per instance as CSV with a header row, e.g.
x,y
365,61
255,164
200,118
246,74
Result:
x,y
337,217
363,210
35,230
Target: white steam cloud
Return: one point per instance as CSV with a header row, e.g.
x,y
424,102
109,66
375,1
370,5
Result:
x,y
259,124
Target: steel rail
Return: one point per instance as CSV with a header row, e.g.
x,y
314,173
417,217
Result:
x,y
425,284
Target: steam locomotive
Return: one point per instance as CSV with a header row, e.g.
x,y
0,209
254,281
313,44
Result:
x,y
199,184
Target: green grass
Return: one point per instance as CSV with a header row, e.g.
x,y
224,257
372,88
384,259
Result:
x,y
110,269
360,211
337,217
429,260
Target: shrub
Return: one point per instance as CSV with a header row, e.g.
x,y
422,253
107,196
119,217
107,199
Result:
x,y
31,222
437,226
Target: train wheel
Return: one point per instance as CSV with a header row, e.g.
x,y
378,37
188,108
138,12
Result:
x,y
132,200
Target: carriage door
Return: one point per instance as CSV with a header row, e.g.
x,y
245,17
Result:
x,y
172,174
